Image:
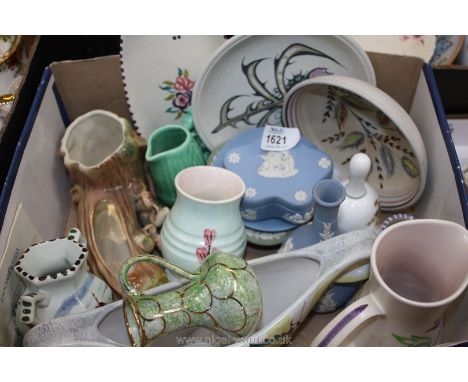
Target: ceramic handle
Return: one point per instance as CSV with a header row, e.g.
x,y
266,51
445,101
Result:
x,y
342,253
129,263
347,321
75,235
28,306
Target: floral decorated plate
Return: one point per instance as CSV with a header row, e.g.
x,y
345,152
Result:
x,y
246,80
159,73
417,46
447,49
343,116
10,73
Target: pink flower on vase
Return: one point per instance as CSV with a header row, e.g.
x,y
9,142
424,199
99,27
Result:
x,y
183,83
209,236
182,100
202,254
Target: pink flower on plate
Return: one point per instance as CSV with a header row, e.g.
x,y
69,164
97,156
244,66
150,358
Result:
x,y
209,236
202,254
183,83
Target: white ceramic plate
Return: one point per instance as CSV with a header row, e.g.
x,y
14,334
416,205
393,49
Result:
x,y
159,73
246,80
417,46
343,116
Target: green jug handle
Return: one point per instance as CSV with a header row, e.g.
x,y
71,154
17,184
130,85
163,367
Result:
x,y
129,263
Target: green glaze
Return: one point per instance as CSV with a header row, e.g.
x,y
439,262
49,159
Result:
x,y
223,296
171,148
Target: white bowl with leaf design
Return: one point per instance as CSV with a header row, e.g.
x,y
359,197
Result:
x,y
343,115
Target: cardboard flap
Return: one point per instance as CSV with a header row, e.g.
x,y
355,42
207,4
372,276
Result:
x,y
398,76
87,85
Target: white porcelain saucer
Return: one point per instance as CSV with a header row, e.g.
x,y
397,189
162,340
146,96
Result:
x,y
343,116
159,73
244,84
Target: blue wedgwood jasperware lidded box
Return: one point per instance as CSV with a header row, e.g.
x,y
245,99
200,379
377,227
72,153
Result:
x,y
278,183
37,184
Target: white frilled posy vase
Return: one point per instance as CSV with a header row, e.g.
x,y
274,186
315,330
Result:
x,y
205,217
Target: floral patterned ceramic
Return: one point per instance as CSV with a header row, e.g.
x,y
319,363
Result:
x,y
222,295
246,80
265,239
57,282
406,45
418,268
343,116
308,273
447,49
278,183
205,217
159,74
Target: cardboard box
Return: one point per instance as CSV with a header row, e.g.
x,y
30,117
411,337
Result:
x,y
35,202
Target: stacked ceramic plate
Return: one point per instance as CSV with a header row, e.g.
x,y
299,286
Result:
x,y
343,115
246,80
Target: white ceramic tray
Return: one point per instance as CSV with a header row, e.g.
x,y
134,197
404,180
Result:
x,y
304,275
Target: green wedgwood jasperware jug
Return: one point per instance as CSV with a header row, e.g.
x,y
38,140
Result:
x,y
222,296
171,148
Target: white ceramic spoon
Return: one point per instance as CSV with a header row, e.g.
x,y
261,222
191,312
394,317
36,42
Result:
x,y
291,284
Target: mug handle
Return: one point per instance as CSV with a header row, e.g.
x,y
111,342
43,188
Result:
x,y
129,263
28,306
347,321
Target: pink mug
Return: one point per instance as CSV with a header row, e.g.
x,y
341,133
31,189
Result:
x,y
418,268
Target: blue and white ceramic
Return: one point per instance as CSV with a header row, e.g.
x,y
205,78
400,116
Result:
x,y
57,283
328,195
278,183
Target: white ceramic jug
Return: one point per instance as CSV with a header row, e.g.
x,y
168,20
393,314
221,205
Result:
x,y
57,283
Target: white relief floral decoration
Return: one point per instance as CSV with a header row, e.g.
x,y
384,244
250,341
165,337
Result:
x,y
300,196
249,214
250,192
324,162
287,246
234,157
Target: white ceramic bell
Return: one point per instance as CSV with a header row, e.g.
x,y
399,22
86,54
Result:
x,y
361,205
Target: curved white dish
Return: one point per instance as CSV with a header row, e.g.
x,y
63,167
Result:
x,y
343,116
308,273
417,46
246,80
156,68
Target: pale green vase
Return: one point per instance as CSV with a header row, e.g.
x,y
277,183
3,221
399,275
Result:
x,y
171,148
